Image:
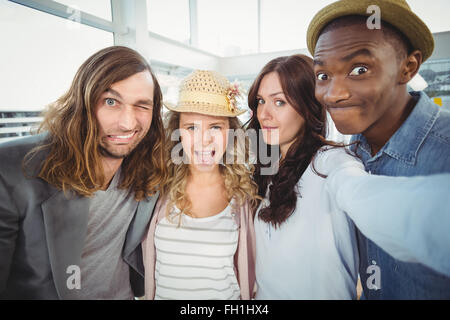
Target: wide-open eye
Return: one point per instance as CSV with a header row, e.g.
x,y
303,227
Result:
x,y
260,101
322,76
110,102
358,71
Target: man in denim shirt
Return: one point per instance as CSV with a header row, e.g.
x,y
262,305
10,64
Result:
x,y
420,147
362,75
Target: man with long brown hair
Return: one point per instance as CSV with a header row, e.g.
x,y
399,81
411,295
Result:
x,y
76,199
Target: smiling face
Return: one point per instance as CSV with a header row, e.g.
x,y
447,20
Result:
x,y
358,78
279,121
124,114
204,139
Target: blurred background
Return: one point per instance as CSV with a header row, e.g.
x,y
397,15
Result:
x,y
43,42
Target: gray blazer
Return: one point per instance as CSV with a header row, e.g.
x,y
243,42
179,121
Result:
x,y
42,231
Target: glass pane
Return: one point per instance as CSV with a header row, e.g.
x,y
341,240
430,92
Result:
x,y
228,28
99,8
40,58
169,18
284,23
437,74
169,77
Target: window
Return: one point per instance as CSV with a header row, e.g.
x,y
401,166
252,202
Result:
x,y
40,55
437,75
169,18
228,28
284,23
169,78
99,8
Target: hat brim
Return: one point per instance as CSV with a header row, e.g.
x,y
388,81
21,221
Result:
x,y
397,15
204,108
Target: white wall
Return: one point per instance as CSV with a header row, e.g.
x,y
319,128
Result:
x,y
165,51
251,64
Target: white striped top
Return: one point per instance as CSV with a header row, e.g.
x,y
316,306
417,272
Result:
x,y
195,261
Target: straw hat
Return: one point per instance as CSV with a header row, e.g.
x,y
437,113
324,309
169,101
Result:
x,y
396,12
207,92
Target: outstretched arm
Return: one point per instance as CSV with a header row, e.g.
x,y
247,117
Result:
x,y
408,217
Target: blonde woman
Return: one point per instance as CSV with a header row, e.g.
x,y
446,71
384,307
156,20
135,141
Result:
x,y
200,243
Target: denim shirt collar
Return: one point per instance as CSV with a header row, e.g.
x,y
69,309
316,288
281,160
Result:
x,y
406,141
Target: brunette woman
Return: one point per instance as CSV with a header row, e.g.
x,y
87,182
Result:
x,y
306,246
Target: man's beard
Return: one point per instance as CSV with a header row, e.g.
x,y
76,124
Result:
x,y
107,154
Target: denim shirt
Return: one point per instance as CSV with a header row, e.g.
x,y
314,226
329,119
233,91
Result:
x,y
421,146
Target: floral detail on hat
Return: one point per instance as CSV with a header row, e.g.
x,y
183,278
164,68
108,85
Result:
x,y
234,91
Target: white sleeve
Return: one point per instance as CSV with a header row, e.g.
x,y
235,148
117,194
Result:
x,y
330,159
409,218
344,234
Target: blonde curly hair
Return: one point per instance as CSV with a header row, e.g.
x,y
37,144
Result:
x,y
237,176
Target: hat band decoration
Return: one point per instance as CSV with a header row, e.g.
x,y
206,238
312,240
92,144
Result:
x,y
204,97
234,91
229,100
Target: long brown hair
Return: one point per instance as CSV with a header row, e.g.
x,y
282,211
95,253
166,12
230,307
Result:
x,y
298,83
73,158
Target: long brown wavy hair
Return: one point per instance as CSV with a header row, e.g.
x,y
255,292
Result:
x,y
73,157
237,175
298,83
